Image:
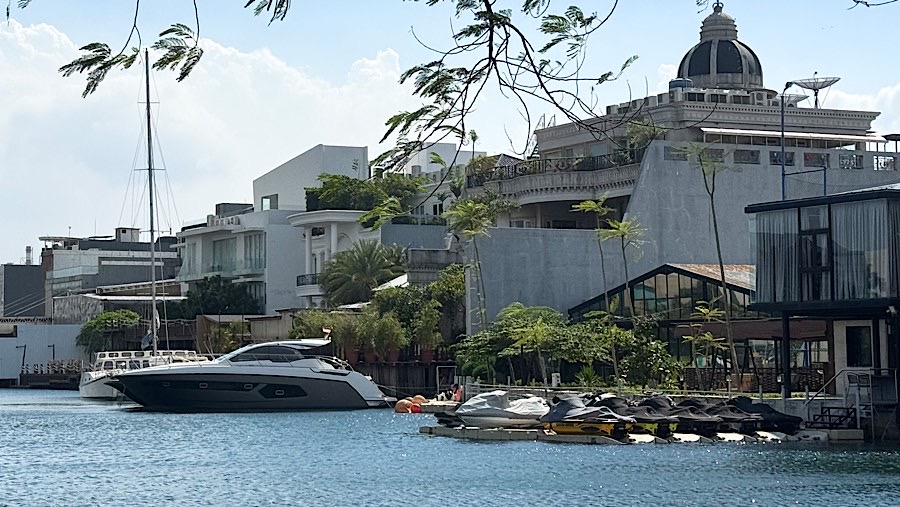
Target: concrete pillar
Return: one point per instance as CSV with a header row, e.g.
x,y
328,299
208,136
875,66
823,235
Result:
x,y
785,355
334,237
307,232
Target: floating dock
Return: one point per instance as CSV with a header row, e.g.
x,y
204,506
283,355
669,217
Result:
x,y
507,435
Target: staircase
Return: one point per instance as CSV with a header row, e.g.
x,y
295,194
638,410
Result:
x,y
865,393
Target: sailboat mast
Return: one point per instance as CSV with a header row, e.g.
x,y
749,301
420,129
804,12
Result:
x,y
153,324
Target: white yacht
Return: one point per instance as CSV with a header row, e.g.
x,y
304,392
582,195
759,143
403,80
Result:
x,y
94,383
280,375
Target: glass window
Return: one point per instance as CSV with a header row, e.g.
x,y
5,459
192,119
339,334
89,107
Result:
x,y
269,202
859,346
674,153
775,158
746,156
861,242
815,159
813,217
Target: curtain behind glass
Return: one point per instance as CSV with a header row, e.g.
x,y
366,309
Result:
x,y
777,258
859,233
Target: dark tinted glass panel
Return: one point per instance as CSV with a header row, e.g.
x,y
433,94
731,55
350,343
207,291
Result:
x,y
859,346
700,60
728,58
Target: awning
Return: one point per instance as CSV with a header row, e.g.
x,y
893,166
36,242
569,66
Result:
x,y
795,135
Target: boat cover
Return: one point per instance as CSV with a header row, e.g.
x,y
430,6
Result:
x,y
498,404
573,408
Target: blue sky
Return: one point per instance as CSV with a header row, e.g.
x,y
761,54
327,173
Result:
x,y
265,93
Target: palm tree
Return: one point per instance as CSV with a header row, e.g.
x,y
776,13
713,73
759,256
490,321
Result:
x,y
629,233
352,274
600,209
709,169
472,218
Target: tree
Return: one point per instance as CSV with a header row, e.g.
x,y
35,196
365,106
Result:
x,y
709,169
214,295
98,333
629,233
352,274
703,342
471,217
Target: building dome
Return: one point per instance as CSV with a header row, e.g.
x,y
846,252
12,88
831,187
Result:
x,y
720,60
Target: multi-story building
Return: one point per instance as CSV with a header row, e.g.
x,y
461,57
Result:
x,y
718,104
255,244
73,265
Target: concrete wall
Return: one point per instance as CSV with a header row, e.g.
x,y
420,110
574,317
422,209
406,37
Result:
x,y
289,180
560,268
414,236
36,338
284,261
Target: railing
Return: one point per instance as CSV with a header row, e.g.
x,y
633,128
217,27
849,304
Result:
x,y
555,165
869,387
308,279
419,220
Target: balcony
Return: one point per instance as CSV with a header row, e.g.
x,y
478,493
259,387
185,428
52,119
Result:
x,y
308,279
248,267
556,165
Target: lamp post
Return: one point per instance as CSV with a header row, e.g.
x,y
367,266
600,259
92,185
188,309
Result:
x,y
783,176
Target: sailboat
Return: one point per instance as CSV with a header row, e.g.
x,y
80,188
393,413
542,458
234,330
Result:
x,y
94,383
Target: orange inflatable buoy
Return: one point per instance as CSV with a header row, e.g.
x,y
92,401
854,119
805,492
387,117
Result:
x,y
402,406
415,408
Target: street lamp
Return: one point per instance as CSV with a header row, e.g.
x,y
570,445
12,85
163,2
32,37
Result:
x,y
783,176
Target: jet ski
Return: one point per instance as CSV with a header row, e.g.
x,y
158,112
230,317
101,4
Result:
x,y
570,416
495,410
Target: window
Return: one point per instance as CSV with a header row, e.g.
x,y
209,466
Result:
x,y
740,99
717,98
815,159
254,251
884,163
746,156
437,209
521,224
862,256
696,97
673,153
714,154
815,251
775,158
848,161
269,202
224,255
859,346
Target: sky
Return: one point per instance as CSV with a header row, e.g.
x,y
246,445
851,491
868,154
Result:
x,y
264,93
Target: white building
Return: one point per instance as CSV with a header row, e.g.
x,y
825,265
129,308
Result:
x,y
256,244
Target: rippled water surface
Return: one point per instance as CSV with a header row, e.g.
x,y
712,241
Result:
x,y
60,450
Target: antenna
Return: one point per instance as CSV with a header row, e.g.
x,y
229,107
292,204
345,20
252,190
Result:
x,y
816,83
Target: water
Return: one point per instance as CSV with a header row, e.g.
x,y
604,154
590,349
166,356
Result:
x,y
60,450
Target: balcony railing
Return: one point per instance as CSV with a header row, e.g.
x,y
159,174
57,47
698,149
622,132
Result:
x,y
554,165
308,279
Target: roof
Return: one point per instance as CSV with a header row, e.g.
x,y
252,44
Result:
x,y
891,191
400,281
795,135
131,299
739,275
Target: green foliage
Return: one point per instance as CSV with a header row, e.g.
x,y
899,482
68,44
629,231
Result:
x,y
226,338
352,274
343,192
97,334
640,133
587,377
214,296
384,331
344,327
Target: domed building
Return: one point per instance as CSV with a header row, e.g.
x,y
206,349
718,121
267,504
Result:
x,y
720,60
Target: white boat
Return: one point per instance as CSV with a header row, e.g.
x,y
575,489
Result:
x,y
494,409
94,384
281,375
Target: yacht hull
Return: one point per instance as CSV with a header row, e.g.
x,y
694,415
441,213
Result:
x,y
238,392
97,387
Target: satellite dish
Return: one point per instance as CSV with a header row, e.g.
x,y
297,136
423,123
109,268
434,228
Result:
x,y
815,84
791,99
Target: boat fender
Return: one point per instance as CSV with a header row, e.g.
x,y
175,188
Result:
x,y
415,408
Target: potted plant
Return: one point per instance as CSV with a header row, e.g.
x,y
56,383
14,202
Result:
x,y
425,330
388,336
345,334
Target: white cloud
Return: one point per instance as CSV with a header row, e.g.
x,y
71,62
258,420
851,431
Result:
x,y
66,161
665,73
886,100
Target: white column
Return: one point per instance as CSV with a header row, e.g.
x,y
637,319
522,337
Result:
x,y
307,231
334,234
